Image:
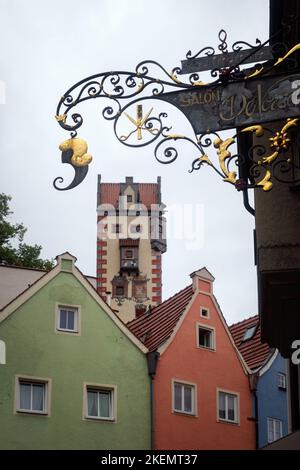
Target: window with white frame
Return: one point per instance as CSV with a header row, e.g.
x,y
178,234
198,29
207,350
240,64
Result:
x,y
100,403
281,380
204,312
184,398
228,407
67,319
206,337
32,396
274,429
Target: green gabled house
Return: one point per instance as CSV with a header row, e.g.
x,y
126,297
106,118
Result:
x,y
75,377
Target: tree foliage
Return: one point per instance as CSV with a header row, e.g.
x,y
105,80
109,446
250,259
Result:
x,y
13,250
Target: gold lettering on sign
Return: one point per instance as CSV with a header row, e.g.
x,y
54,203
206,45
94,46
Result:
x,y
215,95
251,107
194,100
198,98
184,100
227,106
207,97
252,102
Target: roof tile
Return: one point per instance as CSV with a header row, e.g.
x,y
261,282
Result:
x,y
157,325
110,193
254,352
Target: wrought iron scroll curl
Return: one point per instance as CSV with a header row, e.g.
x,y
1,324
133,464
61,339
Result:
x,y
152,125
74,153
267,162
222,47
122,85
150,80
279,51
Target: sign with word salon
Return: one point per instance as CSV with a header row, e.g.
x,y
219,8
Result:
x,y
239,104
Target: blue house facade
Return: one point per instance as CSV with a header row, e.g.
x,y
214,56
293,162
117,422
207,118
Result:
x,y
268,381
272,402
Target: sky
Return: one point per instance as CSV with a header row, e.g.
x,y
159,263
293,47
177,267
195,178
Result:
x,y
49,46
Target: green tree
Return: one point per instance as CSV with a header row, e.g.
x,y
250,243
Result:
x,y
23,254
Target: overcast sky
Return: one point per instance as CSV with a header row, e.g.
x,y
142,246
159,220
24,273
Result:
x,y
48,46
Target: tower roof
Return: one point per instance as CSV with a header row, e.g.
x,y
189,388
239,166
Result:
x,y
147,193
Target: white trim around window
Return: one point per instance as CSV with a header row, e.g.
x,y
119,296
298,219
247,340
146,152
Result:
x,y
204,312
70,322
100,402
211,346
281,380
227,397
184,397
274,429
32,395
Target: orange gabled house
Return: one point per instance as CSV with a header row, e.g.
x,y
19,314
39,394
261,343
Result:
x,y
201,394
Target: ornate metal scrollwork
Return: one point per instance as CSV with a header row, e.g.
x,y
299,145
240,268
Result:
x,y
222,47
129,94
74,152
266,161
120,85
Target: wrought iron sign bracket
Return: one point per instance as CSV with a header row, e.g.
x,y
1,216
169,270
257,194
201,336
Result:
x,y
245,99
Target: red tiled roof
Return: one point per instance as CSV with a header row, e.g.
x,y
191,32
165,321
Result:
x,y
254,352
155,327
148,194
110,193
